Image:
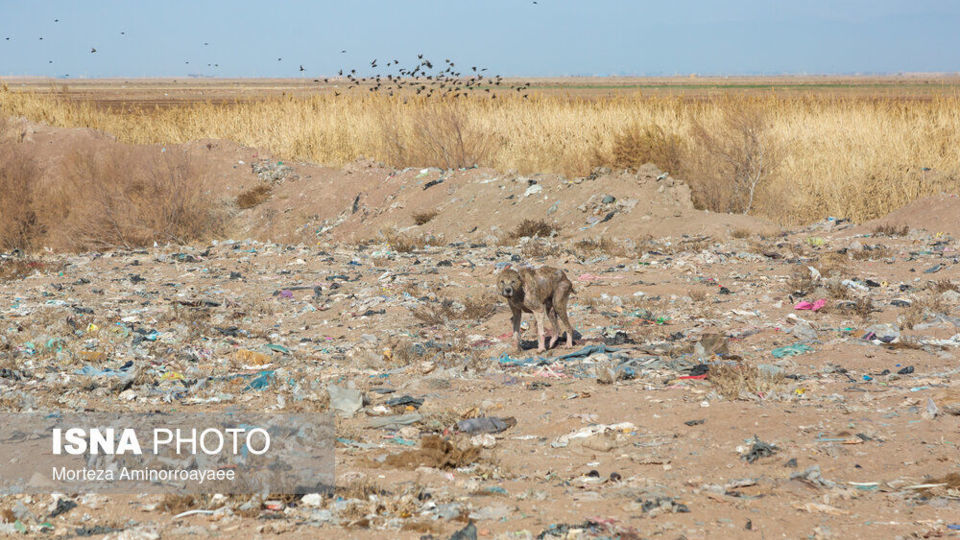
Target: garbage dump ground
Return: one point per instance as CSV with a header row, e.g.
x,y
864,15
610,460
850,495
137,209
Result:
x,y
728,378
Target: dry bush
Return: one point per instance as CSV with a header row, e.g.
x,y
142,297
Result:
x,y
20,226
891,230
538,248
361,488
944,285
864,307
917,312
731,160
436,313
254,196
832,264
422,218
534,227
14,269
870,254
474,309
603,245
403,243
912,315
640,144
734,382
800,282
402,351
479,308
437,133
125,197
837,290
697,295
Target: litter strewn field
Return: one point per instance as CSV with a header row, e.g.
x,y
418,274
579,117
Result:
x,y
728,379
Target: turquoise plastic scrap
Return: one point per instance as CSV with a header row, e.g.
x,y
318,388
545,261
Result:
x,y
262,381
791,350
505,360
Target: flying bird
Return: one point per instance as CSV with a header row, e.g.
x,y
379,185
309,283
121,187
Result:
x,y
301,67
93,50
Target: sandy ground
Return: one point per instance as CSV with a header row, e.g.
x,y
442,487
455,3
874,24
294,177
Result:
x,y
687,425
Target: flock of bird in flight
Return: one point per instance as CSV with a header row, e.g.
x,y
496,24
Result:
x,y
421,78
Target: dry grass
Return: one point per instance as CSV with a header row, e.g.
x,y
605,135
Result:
x,y
837,290
800,282
403,243
533,228
589,246
917,312
832,264
741,233
733,159
640,144
944,285
852,156
475,308
20,226
422,218
891,230
14,269
864,307
254,196
479,308
436,313
697,295
120,197
735,382
402,351
871,254
444,133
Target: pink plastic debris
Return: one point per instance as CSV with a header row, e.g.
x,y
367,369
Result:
x,y
812,307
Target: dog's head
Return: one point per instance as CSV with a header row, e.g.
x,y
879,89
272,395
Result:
x,y
508,283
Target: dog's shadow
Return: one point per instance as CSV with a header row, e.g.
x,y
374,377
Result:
x,y
531,344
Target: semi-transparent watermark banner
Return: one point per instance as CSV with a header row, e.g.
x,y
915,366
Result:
x,y
166,453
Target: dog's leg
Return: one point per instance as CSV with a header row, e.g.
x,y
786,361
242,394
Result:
x,y
515,319
541,332
552,314
560,298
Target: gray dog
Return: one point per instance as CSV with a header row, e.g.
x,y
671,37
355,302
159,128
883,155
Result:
x,y
544,292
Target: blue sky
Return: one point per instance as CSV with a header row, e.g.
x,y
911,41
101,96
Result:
x,y
510,37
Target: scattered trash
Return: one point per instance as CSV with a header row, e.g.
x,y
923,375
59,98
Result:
x,y
815,306
346,401
758,450
791,350
590,431
486,424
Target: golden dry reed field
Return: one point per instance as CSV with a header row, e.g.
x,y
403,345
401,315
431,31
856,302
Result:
x,y
791,158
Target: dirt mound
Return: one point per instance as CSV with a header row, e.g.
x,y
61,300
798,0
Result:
x,y
935,214
269,199
482,205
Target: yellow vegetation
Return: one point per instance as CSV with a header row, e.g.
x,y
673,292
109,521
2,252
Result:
x,y
857,157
